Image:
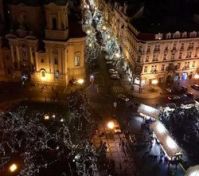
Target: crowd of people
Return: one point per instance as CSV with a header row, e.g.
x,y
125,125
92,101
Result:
x,y
183,123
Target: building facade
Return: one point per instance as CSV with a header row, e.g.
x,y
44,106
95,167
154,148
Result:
x,y
45,42
156,55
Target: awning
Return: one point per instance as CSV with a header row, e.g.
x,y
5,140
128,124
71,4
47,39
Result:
x,y
193,171
148,111
168,144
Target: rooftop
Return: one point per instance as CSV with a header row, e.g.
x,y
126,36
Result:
x,y
155,16
167,24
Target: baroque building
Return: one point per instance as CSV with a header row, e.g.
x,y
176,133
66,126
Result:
x,y
160,42
42,40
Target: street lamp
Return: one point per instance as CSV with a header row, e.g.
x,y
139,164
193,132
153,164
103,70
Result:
x,y
117,55
88,31
80,81
90,45
104,27
196,76
13,167
61,120
46,117
110,125
53,116
154,82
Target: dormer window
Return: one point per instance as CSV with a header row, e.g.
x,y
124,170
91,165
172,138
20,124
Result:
x,y
176,34
193,34
168,35
158,36
184,34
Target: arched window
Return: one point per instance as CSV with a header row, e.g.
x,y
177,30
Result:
x,y
43,73
168,35
77,59
176,34
54,23
184,34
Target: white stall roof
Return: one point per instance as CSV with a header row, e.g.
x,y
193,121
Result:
x,y
193,171
148,111
168,144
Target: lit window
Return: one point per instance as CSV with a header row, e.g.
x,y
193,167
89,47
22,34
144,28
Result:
x,y
43,74
147,59
57,74
180,55
77,61
178,66
193,64
145,69
55,61
165,57
163,67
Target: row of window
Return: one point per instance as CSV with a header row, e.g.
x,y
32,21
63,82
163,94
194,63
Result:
x,y
76,61
173,56
157,47
153,68
56,75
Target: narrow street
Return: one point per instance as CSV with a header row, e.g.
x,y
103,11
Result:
x,y
101,99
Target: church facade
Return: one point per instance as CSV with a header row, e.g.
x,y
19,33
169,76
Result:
x,y
42,41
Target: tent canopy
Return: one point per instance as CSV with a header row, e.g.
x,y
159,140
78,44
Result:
x,y
193,171
168,144
148,111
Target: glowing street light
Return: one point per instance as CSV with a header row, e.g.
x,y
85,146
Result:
x,y
154,82
53,116
46,117
80,81
110,125
88,31
196,76
13,167
104,27
117,55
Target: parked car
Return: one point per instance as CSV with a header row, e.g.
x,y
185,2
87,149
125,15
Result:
x,y
117,130
177,90
171,105
115,76
112,71
123,97
174,98
195,86
169,90
190,95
